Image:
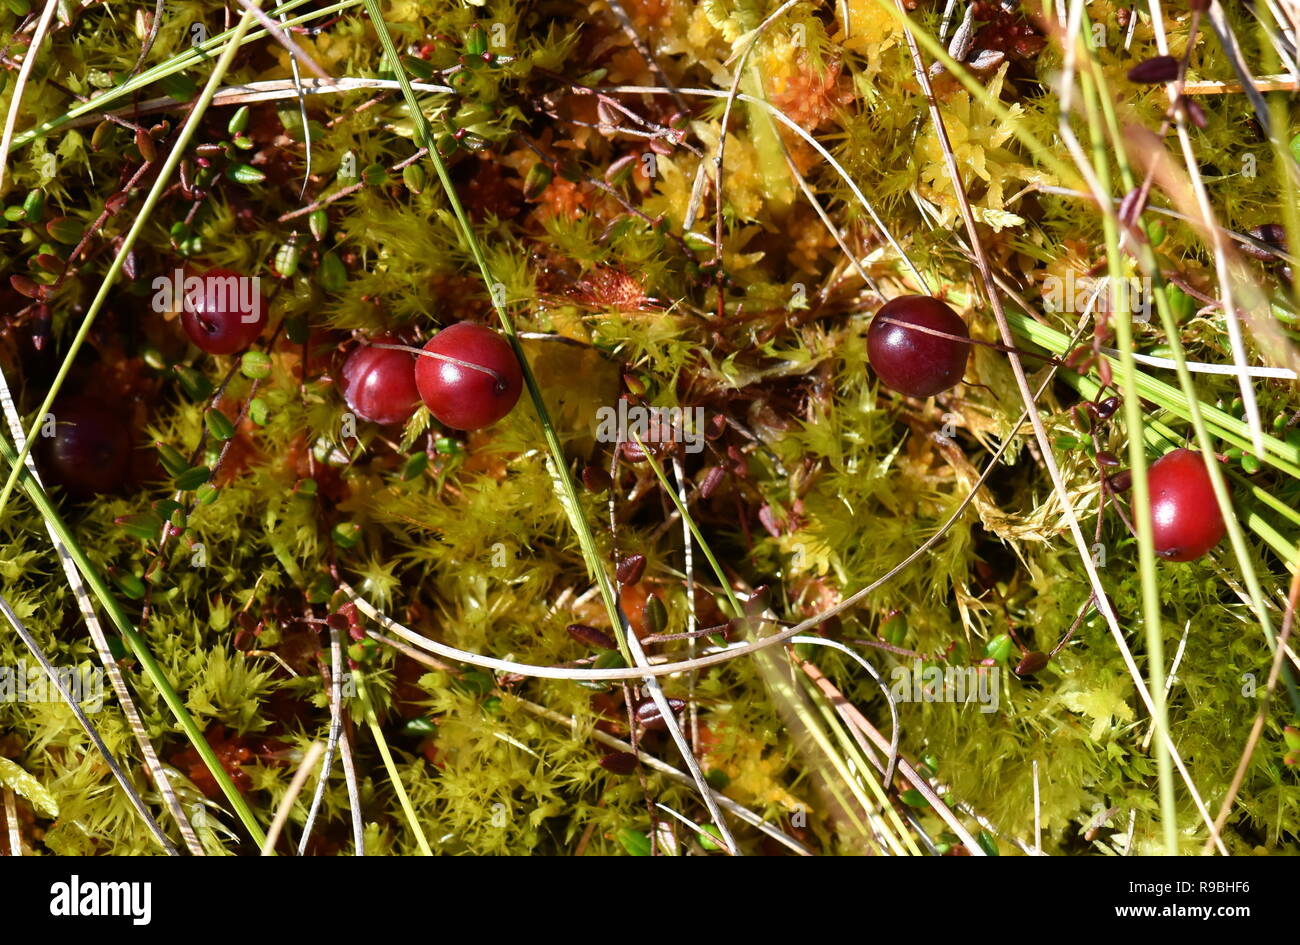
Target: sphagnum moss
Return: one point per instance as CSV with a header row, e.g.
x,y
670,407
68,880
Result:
x,y
811,479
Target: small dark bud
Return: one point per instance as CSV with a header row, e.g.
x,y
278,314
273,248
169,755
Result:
x,y
596,479
620,762
630,569
1121,481
591,636
1032,663
647,714
1155,70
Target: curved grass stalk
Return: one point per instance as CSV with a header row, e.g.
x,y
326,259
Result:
x,y
20,86
118,774
130,712
382,743
810,723
1133,422
1040,433
1278,453
128,243
178,63
1102,100
628,645
136,642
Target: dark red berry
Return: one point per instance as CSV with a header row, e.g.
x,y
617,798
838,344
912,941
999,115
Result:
x,y
90,451
475,393
917,363
1184,512
225,314
379,384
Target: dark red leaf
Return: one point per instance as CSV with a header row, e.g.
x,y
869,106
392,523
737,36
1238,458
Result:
x,y
591,636
1155,70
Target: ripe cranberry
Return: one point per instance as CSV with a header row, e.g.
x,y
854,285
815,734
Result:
x,y
379,384
913,362
1184,512
467,398
226,314
90,451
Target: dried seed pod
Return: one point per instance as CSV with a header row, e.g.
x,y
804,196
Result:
x,y
648,717
591,636
630,569
1154,71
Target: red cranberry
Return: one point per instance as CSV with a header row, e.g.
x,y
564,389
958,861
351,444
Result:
x,y
1184,512
225,314
379,384
913,362
90,451
467,397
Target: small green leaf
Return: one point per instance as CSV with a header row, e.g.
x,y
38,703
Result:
x,y
255,364
172,461
207,494
987,843
286,259
374,175
218,424
913,798
999,648
414,177
144,526
193,478
179,86
238,121
34,205
66,230
332,274
259,412
714,839
318,222
415,467
295,328
195,385
347,534
130,584
417,68
245,174
634,841
539,178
